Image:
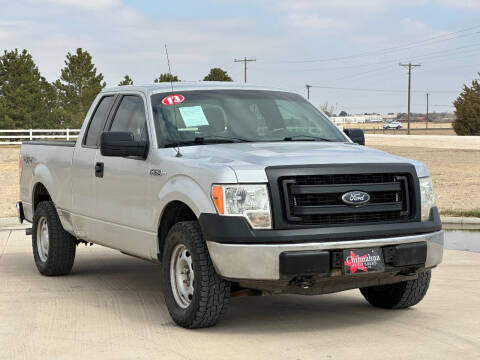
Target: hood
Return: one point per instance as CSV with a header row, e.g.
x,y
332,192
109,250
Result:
x,y
249,160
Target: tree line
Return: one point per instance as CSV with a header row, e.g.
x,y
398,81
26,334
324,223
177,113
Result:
x,y
28,100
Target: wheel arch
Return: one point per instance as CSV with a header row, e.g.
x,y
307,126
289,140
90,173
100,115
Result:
x,y
174,212
39,193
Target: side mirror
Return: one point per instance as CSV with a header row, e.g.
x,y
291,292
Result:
x,y
356,135
120,143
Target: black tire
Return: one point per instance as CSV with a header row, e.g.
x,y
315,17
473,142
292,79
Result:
x,y
399,295
210,291
61,245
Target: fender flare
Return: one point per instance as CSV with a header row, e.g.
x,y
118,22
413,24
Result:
x,y
186,190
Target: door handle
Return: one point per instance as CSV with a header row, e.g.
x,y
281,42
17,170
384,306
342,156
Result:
x,y
99,169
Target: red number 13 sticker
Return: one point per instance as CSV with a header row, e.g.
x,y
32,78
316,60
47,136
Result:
x,y
173,99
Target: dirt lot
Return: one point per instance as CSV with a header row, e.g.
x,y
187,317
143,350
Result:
x,y
454,163
8,180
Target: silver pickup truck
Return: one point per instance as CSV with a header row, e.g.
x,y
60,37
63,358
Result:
x,y
233,189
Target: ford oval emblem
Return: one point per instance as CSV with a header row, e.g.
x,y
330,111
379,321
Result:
x,y
355,198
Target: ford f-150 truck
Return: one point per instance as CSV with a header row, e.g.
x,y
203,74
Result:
x,y
233,189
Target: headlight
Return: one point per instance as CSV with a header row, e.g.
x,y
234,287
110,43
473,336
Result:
x,y
249,201
427,197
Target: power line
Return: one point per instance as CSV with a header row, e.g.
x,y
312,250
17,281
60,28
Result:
x,y
437,54
409,65
380,90
393,48
245,61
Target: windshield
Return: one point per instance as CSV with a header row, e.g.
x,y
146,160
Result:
x,y
193,117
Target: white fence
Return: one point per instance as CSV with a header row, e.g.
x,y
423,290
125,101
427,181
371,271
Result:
x,y
15,137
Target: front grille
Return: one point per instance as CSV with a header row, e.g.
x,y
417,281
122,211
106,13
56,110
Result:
x,y
317,199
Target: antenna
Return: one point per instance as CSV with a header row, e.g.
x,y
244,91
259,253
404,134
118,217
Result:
x,y
174,104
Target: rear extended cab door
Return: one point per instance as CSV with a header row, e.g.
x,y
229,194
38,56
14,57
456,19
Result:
x,y
83,166
124,201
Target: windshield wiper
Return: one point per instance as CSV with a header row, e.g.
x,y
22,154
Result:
x,y
305,138
219,137
202,140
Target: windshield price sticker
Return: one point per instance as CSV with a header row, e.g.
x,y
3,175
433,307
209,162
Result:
x,y
193,116
173,99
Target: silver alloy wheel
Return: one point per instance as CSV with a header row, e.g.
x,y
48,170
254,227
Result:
x,y
42,239
182,276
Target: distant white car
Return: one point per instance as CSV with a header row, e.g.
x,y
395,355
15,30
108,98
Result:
x,y
393,125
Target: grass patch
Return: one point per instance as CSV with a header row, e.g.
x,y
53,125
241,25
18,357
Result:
x,y
461,213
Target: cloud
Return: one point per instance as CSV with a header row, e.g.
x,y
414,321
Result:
x,y
366,5
472,4
88,4
316,22
125,40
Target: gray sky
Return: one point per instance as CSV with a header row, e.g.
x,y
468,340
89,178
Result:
x,y
345,47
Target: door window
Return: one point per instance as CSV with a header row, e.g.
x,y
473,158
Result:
x,y
130,116
98,121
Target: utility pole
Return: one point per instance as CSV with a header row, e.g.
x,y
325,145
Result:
x,y
308,91
409,65
245,61
426,118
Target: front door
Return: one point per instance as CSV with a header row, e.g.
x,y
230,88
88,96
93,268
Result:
x,y
123,202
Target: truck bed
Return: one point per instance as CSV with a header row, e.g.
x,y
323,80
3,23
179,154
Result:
x,y
48,162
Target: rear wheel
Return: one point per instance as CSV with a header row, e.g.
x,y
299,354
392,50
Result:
x,y
195,295
400,295
53,247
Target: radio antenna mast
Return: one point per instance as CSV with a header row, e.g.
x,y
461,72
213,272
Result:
x,y
174,104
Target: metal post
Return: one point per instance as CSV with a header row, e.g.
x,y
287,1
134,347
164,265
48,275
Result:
x,y
426,118
308,91
31,135
409,66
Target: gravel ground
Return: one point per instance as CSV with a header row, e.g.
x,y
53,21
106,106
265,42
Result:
x,y
111,307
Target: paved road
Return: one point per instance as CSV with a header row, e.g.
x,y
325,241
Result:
x,y
111,307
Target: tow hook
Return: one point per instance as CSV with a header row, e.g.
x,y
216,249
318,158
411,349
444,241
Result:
x,y
304,282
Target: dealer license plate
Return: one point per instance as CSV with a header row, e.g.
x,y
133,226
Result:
x,y
363,261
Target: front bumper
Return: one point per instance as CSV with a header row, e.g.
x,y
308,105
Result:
x,y
262,261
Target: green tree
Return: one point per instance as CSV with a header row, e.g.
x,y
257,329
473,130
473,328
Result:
x,y
467,110
26,98
78,86
166,78
126,81
217,74
343,113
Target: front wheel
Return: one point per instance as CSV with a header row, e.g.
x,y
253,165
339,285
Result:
x,y
399,295
195,295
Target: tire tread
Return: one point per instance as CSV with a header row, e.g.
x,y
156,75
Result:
x,y
400,295
214,291
62,246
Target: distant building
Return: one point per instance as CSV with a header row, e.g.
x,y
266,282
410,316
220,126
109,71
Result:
x,y
362,118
